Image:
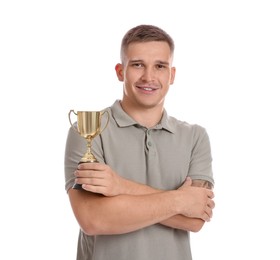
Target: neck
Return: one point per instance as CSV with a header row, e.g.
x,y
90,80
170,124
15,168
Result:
x,y
148,117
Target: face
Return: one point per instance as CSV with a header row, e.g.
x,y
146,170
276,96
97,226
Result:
x,y
147,73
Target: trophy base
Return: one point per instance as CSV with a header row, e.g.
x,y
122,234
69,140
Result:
x,y
88,158
77,186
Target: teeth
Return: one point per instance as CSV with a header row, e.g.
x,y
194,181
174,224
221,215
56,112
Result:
x,y
149,89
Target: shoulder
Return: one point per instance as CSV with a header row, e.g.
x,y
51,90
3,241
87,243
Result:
x,y
184,126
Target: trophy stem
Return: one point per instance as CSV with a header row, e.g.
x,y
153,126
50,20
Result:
x,y
87,158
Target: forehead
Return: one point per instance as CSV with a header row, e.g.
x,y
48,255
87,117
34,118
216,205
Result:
x,y
149,50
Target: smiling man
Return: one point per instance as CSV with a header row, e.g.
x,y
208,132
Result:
x,y
153,185
147,74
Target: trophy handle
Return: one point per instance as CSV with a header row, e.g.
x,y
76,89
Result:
x,y
107,120
69,116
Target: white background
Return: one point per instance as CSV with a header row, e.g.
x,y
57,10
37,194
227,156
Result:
x,y
60,55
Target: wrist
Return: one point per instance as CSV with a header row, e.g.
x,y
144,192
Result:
x,y
177,201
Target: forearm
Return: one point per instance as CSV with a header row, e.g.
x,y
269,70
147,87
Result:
x,y
184,223
178,221
122,213
100,179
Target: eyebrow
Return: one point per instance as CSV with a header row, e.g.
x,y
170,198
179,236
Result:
x,y
157,62
163,62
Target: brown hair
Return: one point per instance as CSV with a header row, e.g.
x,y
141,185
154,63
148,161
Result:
x,y
145,33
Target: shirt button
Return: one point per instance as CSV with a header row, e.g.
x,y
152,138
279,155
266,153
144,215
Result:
x,y
150,143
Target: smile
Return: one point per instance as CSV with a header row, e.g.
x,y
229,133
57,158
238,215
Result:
x,y
147,89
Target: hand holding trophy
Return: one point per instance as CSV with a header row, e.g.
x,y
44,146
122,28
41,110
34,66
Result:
x,y
88,126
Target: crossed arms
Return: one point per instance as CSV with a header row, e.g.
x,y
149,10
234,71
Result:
x,y
111,204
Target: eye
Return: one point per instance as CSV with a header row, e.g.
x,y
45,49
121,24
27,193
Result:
x,y
137,65
160,66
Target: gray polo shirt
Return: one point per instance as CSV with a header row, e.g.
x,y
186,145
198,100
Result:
x,y
161,157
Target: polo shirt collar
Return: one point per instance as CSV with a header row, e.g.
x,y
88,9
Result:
x,y
124,120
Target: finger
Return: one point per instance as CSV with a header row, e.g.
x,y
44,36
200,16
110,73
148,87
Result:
x,y
91,166
206,217
188,181
99,174
84,166
210,207
210,194
89,174
211,204
94,189
91,181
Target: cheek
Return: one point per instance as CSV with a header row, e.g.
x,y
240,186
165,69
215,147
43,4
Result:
x,y
166,80
127,86
131,77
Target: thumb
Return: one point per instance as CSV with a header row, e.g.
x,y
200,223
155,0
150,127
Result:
x,y
188,181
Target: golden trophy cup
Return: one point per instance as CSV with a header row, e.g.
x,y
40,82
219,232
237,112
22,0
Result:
x,y
88,126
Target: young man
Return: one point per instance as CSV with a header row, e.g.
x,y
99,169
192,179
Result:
x,y
154,182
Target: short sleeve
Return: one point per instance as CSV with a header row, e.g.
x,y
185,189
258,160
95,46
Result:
x,y
201,158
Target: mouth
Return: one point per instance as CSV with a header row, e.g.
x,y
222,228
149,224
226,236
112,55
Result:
x,y
147,89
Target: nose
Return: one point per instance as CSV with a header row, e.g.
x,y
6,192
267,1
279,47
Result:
x,y
148,74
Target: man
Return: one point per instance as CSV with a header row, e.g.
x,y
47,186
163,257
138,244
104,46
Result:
x,y
142,200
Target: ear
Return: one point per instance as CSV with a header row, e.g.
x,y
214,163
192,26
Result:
x,y
173,72
119,71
